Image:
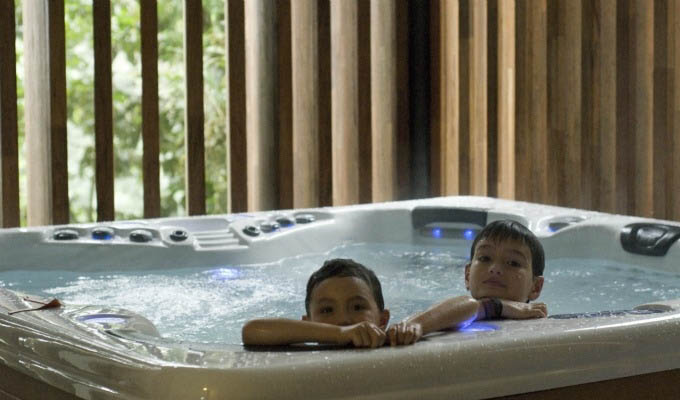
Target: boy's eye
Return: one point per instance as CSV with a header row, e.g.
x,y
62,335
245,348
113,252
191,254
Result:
x,y
359,307
326,310
483,258
514,263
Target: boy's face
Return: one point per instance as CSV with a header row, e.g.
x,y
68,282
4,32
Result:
x,y
502,268
345,301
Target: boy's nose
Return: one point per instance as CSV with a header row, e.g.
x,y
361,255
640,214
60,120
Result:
x,y
495,269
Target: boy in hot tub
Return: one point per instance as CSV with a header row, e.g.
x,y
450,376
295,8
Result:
x,y
344,304
504,274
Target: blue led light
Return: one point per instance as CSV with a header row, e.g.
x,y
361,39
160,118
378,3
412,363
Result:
x,y
225,274
479,327
469,234
436,233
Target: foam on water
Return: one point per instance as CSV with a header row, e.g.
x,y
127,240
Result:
x,y
210,305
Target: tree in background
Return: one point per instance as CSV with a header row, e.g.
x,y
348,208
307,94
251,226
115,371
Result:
x,y
127,83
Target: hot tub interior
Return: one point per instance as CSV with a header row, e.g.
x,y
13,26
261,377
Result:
x,y
165,299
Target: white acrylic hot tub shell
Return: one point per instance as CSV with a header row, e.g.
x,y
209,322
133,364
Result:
x,y
522,356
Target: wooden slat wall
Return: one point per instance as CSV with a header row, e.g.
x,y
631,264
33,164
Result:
x,y
150,129
9,160
564,102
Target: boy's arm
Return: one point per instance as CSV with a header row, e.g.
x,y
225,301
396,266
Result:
x,y
281,331
457,312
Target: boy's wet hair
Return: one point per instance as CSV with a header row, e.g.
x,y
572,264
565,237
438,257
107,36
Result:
x,y
508,229
341,268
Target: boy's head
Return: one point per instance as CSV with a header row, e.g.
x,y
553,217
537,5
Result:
x,y
506,261
344,292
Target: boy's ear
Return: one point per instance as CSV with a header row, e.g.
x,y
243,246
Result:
x,y
384,318
305,317
467,276
536,288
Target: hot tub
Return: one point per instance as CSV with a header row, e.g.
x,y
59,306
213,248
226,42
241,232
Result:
x,y
104,351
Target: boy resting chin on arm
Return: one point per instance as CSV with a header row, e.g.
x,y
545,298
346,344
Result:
x,y
505,272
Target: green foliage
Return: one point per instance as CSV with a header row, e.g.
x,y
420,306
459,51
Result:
x,y
127,83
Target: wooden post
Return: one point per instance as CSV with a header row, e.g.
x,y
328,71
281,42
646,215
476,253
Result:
x,y
383,100
103,110
150,161
674,184
643,17
446,99
478,98
45,112
344,97
9,134
193,114
565,103
305,104
531,179
261,111
236,105
506,99
603,113
284,106
324,101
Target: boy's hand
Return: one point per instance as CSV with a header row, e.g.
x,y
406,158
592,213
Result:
x,y
517,310
363,334
404,333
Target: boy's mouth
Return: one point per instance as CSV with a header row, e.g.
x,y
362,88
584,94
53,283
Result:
x,y
494,283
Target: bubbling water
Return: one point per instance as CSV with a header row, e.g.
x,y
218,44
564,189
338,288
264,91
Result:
x,y
211,305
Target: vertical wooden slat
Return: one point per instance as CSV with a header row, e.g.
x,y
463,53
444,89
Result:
x,y
9,160
383,100
284,89
193,111
624,109
420,61
45,112
662,119
643,16
674,44
403,94
464,95
506,99
478,97
447,159
531,179
364,92
324,107
150,132
565,103
436,98
344,102
603,115
261,112
103,110
492,113
304,22
58,113
236,71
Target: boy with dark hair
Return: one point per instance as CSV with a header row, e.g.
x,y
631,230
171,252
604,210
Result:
x,y
344,305
505,272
